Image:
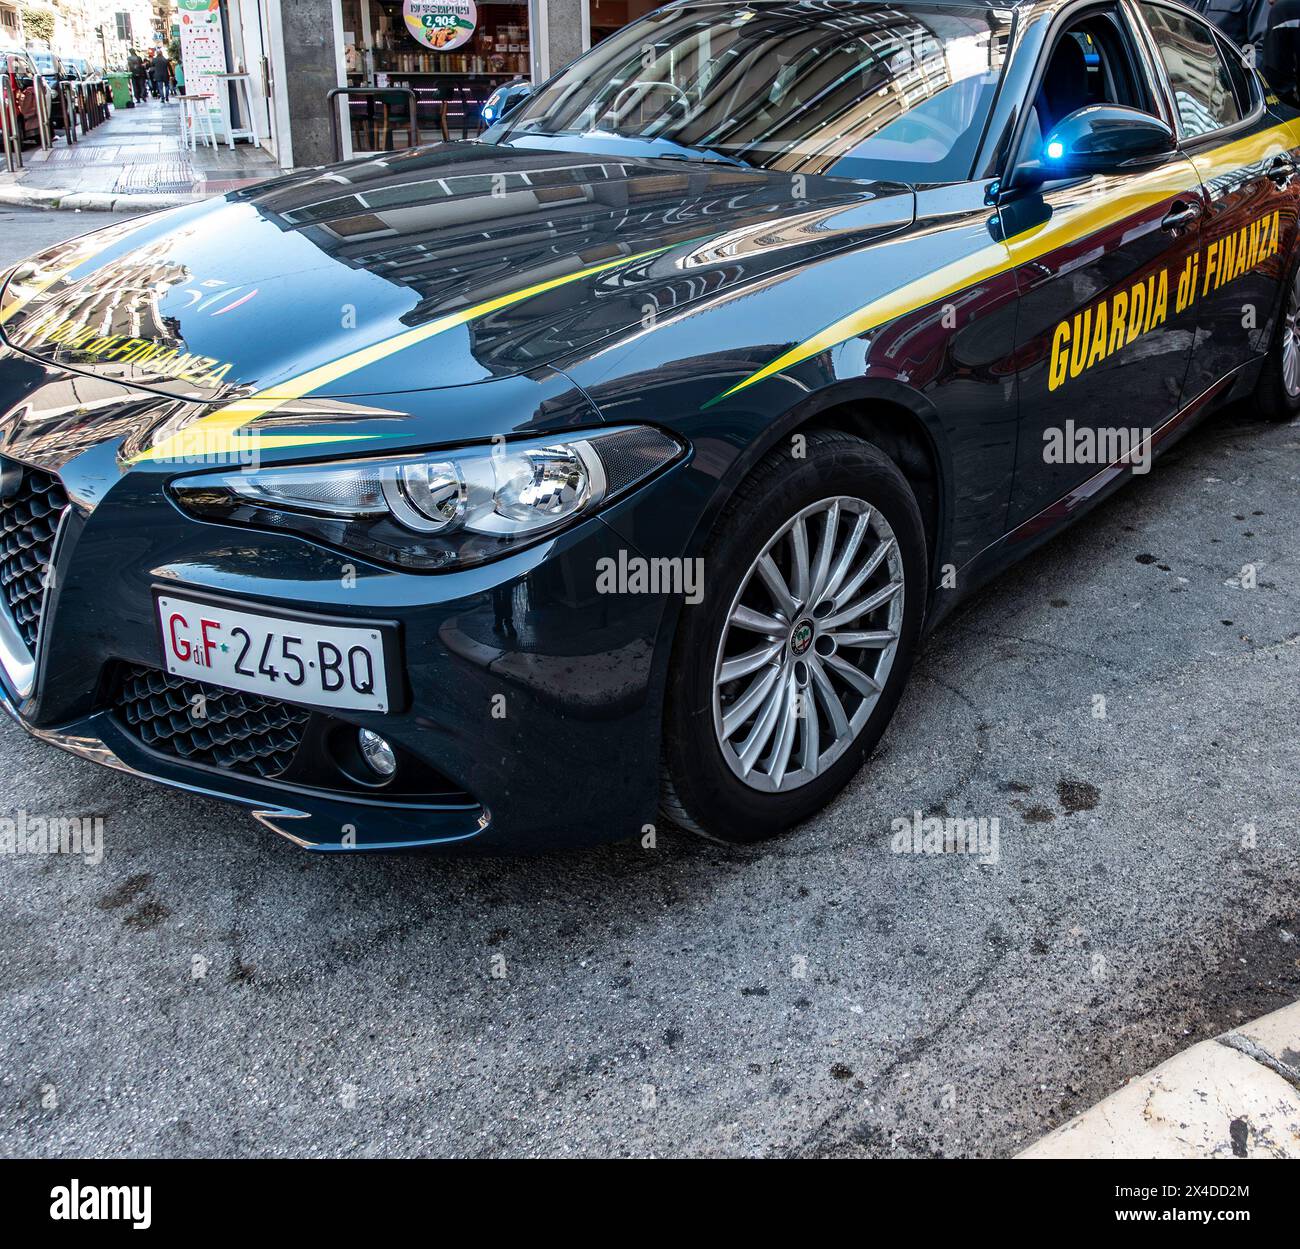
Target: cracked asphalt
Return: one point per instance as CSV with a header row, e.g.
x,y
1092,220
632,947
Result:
x,y
210,990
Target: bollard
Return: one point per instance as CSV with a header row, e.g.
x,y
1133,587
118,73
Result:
x,y
69,113
44,128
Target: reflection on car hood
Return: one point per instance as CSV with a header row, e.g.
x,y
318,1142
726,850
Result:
x,y
437,267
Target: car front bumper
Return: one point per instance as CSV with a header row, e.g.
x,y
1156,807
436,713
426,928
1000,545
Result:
x,y
534,697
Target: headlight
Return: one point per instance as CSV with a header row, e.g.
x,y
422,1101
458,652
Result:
x,y
440,510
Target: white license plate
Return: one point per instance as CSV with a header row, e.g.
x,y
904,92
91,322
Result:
x,y
297,661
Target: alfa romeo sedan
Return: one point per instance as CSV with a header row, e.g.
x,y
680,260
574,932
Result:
x,y
513,492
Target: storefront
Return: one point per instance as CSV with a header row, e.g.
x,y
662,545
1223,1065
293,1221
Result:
x,y
228,48
452,54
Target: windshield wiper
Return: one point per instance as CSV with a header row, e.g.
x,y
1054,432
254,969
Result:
x,y
684,151
678,151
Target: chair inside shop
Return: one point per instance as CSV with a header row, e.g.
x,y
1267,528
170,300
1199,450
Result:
x,y
397,118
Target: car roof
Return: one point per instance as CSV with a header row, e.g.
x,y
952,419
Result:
x,y
1022,6
880,4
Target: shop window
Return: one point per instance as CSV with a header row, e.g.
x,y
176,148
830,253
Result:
x,y
607,16
498,46
452,68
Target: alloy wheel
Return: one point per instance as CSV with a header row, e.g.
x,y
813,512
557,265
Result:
x,y
1291,339
809,640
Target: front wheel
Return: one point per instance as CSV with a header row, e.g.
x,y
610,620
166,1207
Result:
x,y
786,673
1278,388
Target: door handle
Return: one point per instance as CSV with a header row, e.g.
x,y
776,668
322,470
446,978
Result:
x,y
1182,215
1282,170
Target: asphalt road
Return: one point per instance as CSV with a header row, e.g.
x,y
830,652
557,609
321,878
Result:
x,y
209,989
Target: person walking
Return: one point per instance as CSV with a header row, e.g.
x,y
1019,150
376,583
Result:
x,y
136,68
178,76
160,73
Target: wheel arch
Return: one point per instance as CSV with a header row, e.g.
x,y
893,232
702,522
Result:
x,y
891,415
902,433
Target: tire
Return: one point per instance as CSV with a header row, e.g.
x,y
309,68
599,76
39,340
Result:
x,y
1278,390
710,731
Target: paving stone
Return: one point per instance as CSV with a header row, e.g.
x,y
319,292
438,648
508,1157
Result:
x,y
135,160
1210,1101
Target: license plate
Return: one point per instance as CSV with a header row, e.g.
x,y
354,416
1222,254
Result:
x,y
317,662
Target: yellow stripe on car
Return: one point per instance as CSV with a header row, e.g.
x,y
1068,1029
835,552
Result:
x,y
1227,159
1058,231
218,433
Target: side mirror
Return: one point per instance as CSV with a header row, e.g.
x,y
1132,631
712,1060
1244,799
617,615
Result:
x,y
1100,138
504,100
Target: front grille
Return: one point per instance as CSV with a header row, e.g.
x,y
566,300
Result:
x,y
203,723
31,502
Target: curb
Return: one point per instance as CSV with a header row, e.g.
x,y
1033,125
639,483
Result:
x,y
1237,1096
91,201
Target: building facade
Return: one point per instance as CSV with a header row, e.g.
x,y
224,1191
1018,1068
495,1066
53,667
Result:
x,y
101,31
74,28
124,24
11,25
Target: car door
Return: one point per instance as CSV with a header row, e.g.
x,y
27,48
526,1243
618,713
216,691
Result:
x,y
1244,158
1103,343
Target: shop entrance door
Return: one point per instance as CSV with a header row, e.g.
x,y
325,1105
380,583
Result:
x,y
256,48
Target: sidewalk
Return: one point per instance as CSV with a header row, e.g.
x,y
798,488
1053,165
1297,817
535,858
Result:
x,y
1237,1096
132,161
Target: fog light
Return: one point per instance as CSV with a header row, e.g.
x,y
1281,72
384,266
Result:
x,y
377,753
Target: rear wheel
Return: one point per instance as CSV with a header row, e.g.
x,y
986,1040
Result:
x,y
1278,389
786,673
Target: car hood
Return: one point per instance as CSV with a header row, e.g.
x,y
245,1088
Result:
x,y
437,267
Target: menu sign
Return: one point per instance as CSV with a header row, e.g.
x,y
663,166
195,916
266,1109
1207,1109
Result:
x,y
440,24
203,48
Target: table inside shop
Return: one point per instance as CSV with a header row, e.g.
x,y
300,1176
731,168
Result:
x,y
364,116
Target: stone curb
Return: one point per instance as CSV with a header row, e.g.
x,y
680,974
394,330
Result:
x,y
1237,1096
17,195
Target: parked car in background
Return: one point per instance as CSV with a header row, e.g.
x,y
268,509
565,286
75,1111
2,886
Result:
x,y
49,66
23,77
57,69
79,70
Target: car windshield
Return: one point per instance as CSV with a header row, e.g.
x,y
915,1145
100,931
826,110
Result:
x,y
849,90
